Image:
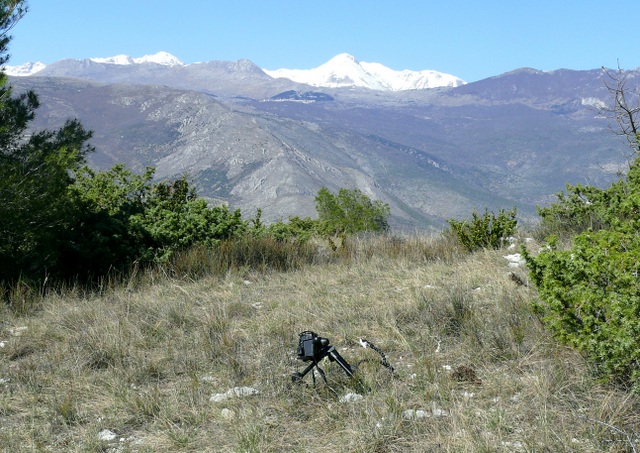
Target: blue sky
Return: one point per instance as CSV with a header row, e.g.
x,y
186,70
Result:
x,y
470,39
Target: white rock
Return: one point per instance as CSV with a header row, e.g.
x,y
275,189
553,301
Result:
x,y
351,397
439,412
219,397
421,413
417,414
514,446
227,413
244,391
515,260
2,344
512,257
233,392
107,434
409,414
17,331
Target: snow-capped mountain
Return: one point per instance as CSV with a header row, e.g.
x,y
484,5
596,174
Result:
x,y
345,70
24,70
161,58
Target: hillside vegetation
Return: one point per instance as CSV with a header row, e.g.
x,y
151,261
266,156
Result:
x,y
147,366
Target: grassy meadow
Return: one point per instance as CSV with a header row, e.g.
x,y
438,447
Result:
x,y
150,364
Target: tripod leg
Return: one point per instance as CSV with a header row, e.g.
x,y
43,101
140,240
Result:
x,y
321,371
297,377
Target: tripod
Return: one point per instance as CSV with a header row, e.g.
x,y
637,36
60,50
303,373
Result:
x,y
312,348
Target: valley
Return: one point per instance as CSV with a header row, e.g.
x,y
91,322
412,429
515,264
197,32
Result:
x,y
252,141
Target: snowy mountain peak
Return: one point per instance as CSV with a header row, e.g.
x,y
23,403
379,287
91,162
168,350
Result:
x,y
161,58
116,59
24,70
343,58
345,70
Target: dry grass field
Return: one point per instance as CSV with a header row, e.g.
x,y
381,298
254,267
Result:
x,y
169,363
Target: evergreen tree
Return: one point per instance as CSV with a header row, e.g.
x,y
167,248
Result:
x,y
35,172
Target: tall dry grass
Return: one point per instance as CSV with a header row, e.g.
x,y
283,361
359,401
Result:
x,y
134,367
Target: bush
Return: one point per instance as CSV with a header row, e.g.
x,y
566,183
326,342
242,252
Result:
x,y
300,229
175,218
573,213
590,299
590,294
128,218
350,211
484,231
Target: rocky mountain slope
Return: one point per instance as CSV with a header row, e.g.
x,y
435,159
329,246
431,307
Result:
x,y
258,142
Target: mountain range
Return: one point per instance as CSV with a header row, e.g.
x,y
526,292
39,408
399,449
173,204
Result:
x,y
255,141
343,70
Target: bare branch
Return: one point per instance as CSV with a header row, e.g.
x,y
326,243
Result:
x,y
626,107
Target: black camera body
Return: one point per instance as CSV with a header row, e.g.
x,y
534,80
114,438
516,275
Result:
x,y
310,346
313,348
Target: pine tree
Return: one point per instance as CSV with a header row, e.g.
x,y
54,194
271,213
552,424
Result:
x,y
35,172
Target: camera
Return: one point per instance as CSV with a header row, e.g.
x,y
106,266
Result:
x,y
310,346
313,348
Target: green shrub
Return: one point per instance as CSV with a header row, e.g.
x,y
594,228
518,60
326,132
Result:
x,y
573,213
486,231
101,238
590,294
127,219
176,218
590,298
300,229
350,211
585,208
